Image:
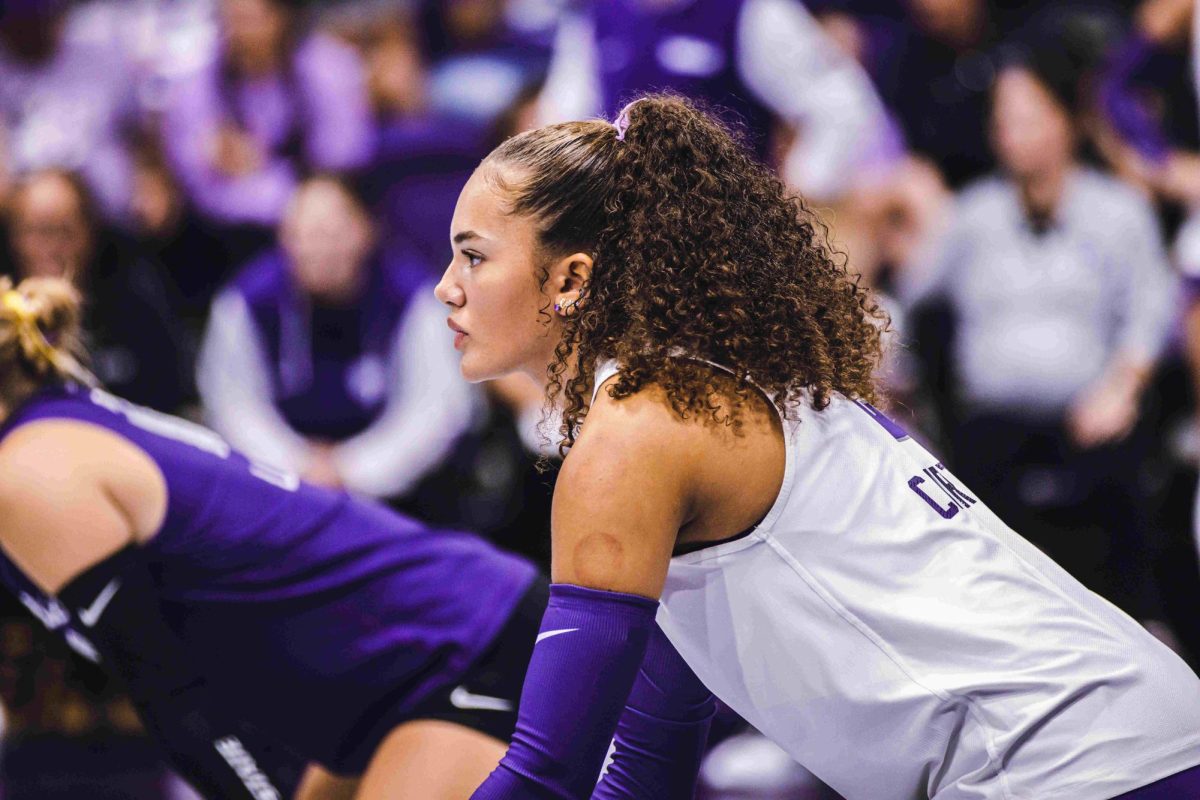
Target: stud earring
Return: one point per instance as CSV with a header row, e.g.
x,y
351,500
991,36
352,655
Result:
x,y
565,308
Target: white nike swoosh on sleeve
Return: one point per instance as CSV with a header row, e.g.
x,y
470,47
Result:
x,y
461,698
91,615
548,634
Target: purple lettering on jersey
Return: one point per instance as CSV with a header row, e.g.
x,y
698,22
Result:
x,y
947,513
958,499
898,433
955,493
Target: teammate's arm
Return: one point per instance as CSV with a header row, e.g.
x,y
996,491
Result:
x,y
62,513
622,495
76,503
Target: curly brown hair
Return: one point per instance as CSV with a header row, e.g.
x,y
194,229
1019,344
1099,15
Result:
x,y
698,250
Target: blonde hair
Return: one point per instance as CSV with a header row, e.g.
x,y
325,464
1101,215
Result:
x,y
40,337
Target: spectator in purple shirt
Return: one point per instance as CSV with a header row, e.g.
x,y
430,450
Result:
x,y
275,102
328,356
1148,107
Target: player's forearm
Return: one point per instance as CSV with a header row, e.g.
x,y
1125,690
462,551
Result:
x,y
661,736
587,655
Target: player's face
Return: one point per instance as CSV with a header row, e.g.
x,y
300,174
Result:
x,y
498,311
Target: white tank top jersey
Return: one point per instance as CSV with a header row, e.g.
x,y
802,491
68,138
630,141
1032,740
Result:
x,y
896,638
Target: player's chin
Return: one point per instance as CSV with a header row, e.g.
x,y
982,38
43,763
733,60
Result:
x,y
476,367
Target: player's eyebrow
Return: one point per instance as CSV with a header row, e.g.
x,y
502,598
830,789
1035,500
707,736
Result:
x,y
463,236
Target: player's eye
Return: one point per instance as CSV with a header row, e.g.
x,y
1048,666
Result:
x,y
473,259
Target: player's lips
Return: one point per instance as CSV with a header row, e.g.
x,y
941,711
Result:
x,y
460,335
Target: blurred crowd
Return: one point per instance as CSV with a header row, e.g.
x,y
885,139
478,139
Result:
x,y
254,197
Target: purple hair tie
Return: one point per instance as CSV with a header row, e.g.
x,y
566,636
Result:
x,y
622,122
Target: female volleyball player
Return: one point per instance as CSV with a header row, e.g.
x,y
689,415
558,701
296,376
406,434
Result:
x,y
261,624
822,573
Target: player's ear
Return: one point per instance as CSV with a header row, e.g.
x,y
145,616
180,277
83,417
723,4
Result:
x,y
567,282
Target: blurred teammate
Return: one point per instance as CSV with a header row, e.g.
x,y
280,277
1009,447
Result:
x,y
819,571
260,624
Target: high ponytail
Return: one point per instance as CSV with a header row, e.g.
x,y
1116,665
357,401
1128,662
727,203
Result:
x,y
40,338
698,249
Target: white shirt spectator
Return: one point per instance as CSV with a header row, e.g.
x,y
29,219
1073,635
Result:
x,y
1041,314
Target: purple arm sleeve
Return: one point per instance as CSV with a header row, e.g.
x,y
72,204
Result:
x,y
584,663
1124,110
661,736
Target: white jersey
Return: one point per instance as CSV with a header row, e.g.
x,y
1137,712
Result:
x,y
896,638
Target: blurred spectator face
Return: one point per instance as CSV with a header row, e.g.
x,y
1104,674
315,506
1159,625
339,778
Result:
x,y
327,236
472,21
951,21
156,206
254,32
1031,131
397,73
51,233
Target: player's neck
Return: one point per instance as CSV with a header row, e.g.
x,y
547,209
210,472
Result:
x,y
538,369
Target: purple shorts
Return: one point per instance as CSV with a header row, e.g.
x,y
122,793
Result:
x,y
1179,786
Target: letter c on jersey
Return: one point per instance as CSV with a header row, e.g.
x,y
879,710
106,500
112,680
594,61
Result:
x,y
947,513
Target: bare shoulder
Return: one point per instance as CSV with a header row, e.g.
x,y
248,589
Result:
x,y
648,419
51,454
623,493
40,458
71,494
723,469
638,425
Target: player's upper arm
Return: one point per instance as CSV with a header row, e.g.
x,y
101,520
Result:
x,y
623,492
58,505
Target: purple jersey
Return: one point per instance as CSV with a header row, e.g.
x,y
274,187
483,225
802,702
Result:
x,y
312,611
